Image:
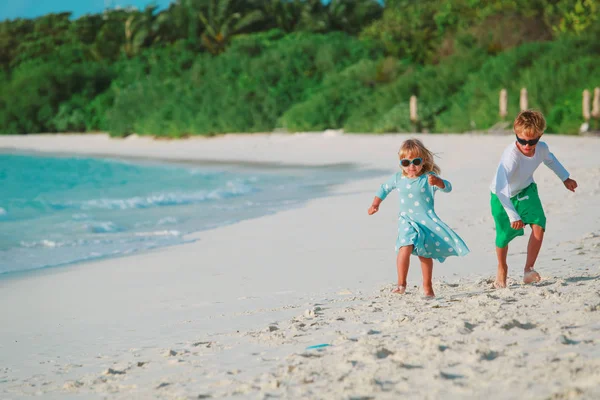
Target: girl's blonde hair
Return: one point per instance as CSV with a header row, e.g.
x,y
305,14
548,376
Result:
x,y
416,148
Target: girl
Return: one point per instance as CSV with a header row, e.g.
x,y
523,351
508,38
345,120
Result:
x,y
420,231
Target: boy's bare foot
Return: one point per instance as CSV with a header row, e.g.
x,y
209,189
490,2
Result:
x,y
399,289
500,282
531,276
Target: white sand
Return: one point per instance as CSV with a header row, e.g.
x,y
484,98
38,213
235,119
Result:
x,y
233,313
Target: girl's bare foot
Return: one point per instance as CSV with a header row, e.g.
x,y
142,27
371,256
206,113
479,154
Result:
x,y
531,276
428,292
499,285
399,289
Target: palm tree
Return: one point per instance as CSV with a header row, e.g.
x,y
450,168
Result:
x,y
352,15
140,30
110,37
282,14
314,17
222,22
178,22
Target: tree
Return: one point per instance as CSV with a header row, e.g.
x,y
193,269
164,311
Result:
x,y
178,22
281,14
222,21
352,16
408,29
45,35
11,34
140,30
110,37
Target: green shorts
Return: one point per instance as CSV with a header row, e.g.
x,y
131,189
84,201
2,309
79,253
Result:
x,y
528,206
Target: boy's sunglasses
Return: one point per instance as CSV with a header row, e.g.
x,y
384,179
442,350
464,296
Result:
x,y
531,142
405,162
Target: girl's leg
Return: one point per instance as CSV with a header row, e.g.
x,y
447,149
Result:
x,y
533,249
501,254
402,264
427,269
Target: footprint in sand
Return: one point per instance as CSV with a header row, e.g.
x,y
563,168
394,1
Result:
x,y
111,371
445,375
487,355
383,353
516,324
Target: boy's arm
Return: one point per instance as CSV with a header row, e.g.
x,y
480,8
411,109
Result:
x,y
552,162
503,191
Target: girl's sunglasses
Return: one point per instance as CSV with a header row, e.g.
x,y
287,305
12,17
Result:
x,y
405,162
531,142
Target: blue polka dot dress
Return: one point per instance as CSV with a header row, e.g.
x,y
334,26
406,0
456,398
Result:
x,y
418,224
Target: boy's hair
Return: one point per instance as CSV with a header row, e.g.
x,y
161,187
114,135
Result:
x,y
530,124
416,148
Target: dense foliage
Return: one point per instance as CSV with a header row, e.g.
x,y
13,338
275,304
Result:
x,y
215,66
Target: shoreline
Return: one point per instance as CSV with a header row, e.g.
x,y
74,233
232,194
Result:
x,y
176,161
234,311
241,166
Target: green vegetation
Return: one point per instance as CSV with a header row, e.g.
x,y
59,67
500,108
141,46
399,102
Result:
x,y
217,66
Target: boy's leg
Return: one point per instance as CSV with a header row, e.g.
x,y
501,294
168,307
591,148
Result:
x,y
402,264
427,269
532,213
533,249
502,273
504,234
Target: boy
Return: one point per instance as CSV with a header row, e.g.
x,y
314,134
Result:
x,y
515,201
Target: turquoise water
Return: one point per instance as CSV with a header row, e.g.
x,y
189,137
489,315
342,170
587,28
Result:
x,y
61,210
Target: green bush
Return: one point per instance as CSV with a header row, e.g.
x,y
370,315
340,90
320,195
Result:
x,y
147,72
31,101
554,74
245,89
331,105
386,109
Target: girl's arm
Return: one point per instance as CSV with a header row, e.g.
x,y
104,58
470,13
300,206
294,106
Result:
x,y
438,183
387,187
382,193
375,206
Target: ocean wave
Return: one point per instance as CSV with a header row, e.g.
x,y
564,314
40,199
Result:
x,y
157,200
159,233
104,227
127,239
3,211
43,243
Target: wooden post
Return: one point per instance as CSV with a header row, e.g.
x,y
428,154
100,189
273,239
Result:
x,y
585,104
503,104
596,104
413,109
523,101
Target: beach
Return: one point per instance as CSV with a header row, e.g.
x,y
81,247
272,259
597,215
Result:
x,y
297,304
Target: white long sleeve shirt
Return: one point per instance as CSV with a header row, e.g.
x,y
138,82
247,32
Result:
x,y
515,173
